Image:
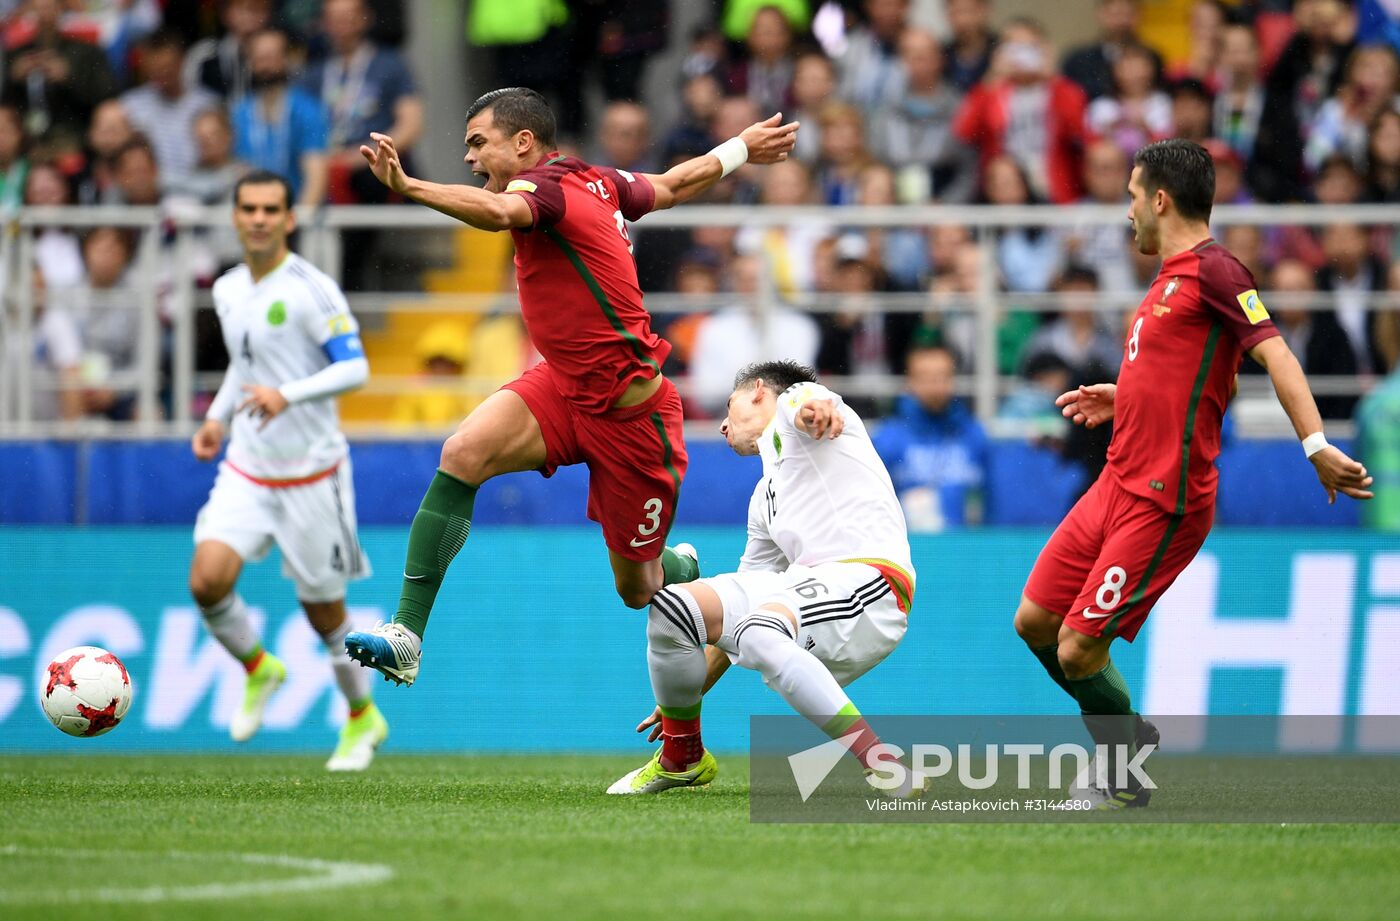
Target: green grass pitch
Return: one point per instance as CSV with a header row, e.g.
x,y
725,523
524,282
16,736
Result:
x,y
534,837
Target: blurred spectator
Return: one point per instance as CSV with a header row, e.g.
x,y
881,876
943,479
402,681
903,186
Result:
x,y
618,36
1338,183
843,153
1091,66
1105,247
743,333
442,352
1043,378
1239,103
813,87
1246,243
1229,174
968,53
1023,109
735,113
1206,24
280,127
935,449
362,87
856,339
691,135
944,242
57,253
870,69
109,318
1078,338
58,347
899,251
1342,123
108,133
706,54
14,167
765,74
1312,334
1191,111
697,282
789,250
1383,159
915,133
1350,275
528,44
1135,113
211,182
624,138
1029,257
220,65
1307,72
162,108
55,80
739,15
136,174
120,25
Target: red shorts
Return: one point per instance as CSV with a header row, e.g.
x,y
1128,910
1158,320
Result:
x,y
1111,559
635,455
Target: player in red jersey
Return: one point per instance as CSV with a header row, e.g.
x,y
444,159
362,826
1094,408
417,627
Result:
x,y
1144,519
599,397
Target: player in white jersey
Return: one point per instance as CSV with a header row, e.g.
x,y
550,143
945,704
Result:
x,y
823,590
293,347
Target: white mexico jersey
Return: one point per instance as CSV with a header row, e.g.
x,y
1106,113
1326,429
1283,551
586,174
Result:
x,y
274,330
822,501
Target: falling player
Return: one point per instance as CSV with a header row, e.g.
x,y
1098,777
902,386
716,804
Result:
x,y
823,591
1144,519
599,397
293,348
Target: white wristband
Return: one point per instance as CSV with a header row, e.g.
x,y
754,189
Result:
x,y
732,154
1314,443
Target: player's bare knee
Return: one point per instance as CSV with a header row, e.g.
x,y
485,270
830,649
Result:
x,y
1035,625
1082,659
637,595
467,457
207,589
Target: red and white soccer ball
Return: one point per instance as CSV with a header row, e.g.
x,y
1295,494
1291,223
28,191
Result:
x,y
85,691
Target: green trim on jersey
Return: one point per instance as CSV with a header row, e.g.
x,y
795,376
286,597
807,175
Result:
x,y
1207,358
666,452
1111,627
601,297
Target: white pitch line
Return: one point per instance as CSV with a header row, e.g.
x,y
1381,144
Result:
x,y
327,873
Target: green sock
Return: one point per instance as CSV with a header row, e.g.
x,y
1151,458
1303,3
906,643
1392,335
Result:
x,y
439,531
1107,708
677,567
1049,657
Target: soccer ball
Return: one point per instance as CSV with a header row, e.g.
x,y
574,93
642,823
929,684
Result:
x,y
85,691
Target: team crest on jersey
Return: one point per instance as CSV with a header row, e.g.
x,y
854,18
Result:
x,y
1161,308
277,314
1252,306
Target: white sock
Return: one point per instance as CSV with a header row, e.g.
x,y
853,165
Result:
x,y
351,677
228,621
676,648
767,645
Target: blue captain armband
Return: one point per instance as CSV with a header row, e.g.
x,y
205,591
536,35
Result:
x,y
344,347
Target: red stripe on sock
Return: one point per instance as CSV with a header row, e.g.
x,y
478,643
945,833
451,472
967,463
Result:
x,y
865,741
357,711
680,743
252,664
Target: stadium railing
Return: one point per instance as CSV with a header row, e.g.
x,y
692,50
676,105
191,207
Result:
x,y
163,287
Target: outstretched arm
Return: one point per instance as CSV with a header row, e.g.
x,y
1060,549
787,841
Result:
x,y
468,204
1336,471
768,141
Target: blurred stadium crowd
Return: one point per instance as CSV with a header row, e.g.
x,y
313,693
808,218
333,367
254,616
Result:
x,y
902,102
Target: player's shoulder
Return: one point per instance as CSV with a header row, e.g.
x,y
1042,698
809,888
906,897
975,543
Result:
x,y
232,282
1216,265
320,289
553,170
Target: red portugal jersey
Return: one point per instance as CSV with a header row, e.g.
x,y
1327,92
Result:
x,y
579,295
1184,348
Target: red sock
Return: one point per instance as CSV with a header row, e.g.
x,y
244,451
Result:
x,y
865,741
680,743
252,664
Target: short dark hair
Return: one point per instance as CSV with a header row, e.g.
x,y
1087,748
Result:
x,y
781,374
1184,170
164,39
518,108
264,177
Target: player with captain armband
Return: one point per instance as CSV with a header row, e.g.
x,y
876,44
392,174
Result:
x,y
293,347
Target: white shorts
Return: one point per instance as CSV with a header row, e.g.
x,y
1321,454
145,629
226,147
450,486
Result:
x,y
314,525
847,613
